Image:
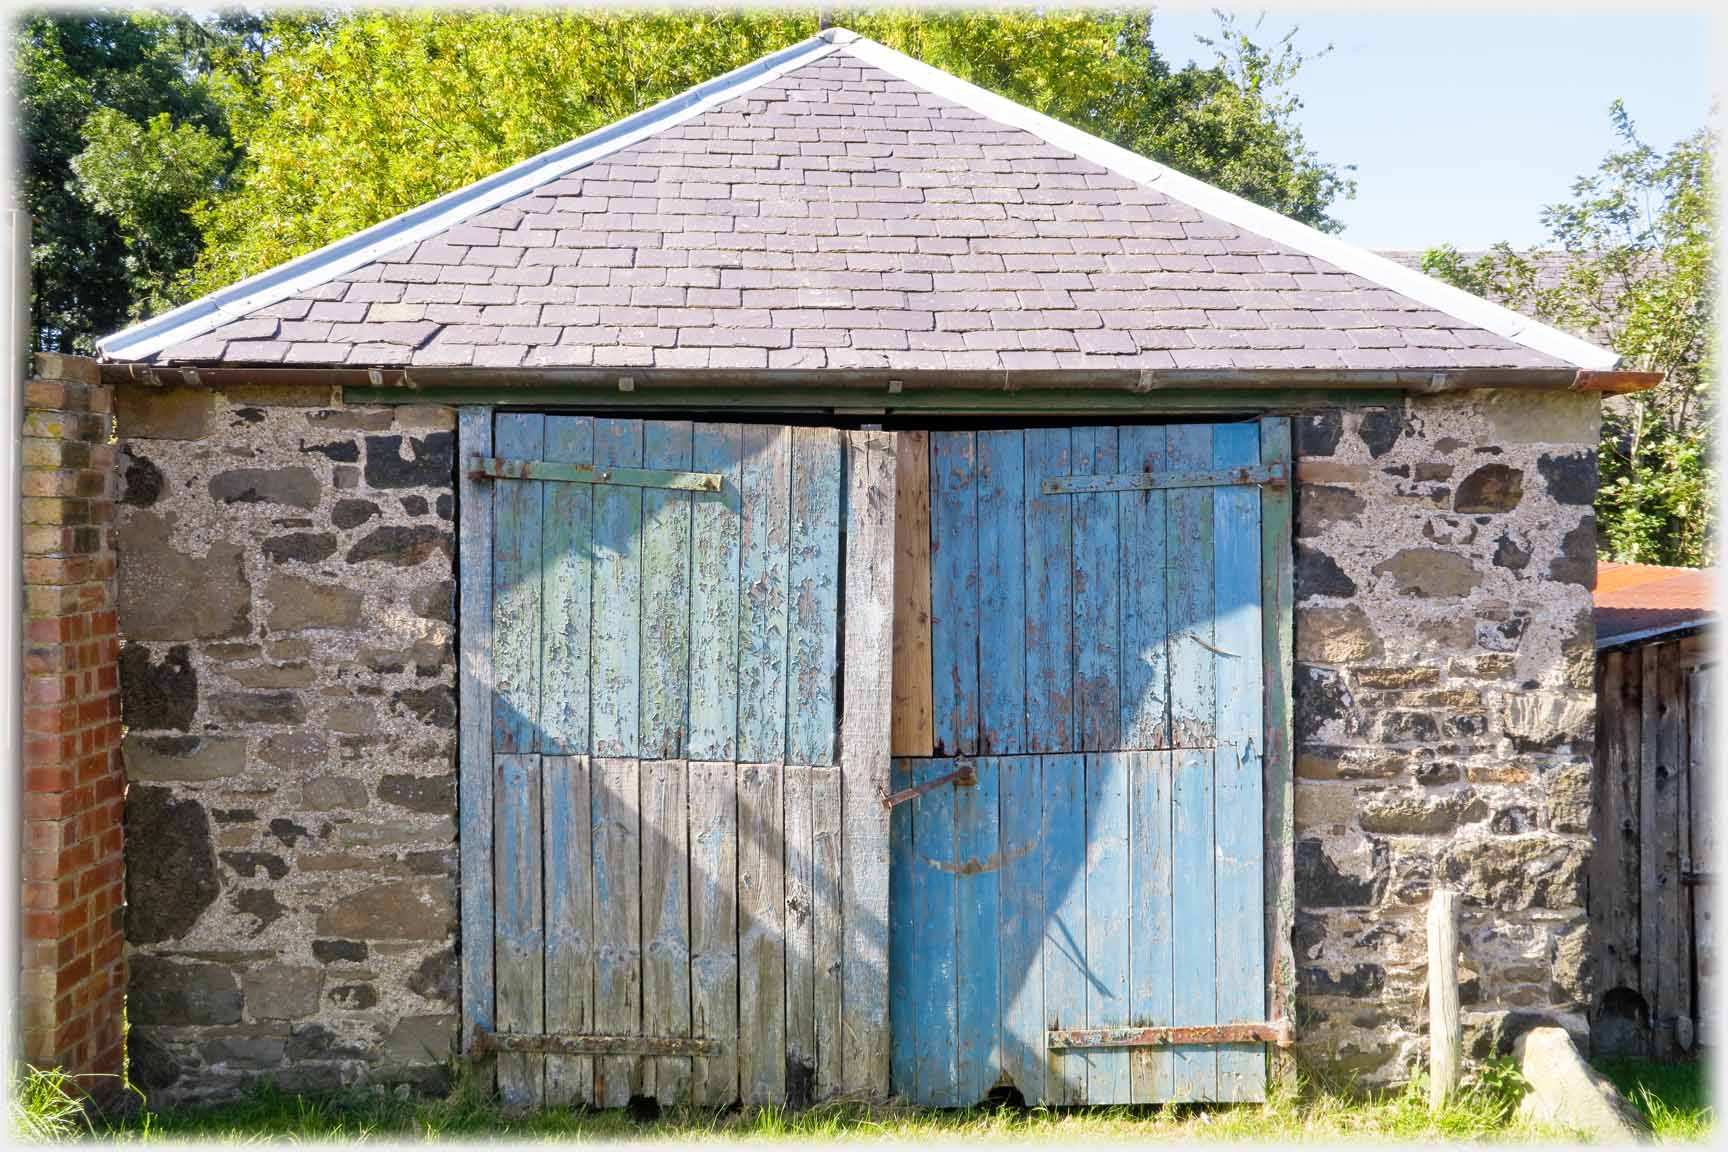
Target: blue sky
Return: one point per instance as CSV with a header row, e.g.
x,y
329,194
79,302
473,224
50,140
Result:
x,y
1463,123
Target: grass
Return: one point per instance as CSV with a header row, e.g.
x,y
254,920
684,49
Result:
x,y
1674,1098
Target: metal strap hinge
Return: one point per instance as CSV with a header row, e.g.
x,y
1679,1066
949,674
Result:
x,y
964,775
591,1044
492,468
1277,1032
1271,475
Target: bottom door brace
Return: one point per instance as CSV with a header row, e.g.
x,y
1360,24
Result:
x,y
591,1044
1277,1032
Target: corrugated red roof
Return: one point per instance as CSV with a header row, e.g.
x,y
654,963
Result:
x,y
1634,600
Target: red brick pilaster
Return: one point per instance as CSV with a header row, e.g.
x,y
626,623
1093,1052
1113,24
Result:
x,y
72,983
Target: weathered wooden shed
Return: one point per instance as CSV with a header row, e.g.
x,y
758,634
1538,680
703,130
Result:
x,y
839,583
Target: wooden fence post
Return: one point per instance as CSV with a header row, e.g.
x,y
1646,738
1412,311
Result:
x,y
1445,1049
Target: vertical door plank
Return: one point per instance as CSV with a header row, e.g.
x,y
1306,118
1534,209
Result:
x,y
902,934
913,734
815,593
933,961
474,713
714,930
825,802
800,938
714,596
1021,789
1145,556
516,590
762,625
1109,899
568,517
617,593
954,592
666,561
761,934
1150,928
1699,769
1649,832
1002,591
1613,948
1194,916
566,803
521,942
1049,596
1673,991
978,933
1277,663
868,624
666,927
1240,881
1097,594
617,836
1189,611
1065,967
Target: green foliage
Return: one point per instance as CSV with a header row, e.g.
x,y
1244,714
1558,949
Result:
x,y
45,1105
1639,241
350,120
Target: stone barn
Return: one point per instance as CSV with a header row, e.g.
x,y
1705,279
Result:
x,y
836,583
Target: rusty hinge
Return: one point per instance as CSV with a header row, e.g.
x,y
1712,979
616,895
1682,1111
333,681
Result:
x,y
1277,1032
965,775
591,1044
1271,475
490,468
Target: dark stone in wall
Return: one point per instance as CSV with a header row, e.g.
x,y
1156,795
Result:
x,y
1509,554
435,601
163,991
170,865
148,1064
1317,574
335,951
419,793
439,977
415,505
433,464
1571,479
342,451
1317,435
1575,563
1491,488
293,487
1356,983
161,695
262,904
260,707
1319,883
403,547
352,513
1320,697
1320,506
288,832
140,481
446,507
248,864
304,547
1379,430
435,704
354,997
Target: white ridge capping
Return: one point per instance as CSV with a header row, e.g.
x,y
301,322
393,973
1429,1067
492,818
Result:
x,y
343,256
1235,210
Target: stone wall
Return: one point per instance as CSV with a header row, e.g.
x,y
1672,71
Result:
x,y
285,598
1445,553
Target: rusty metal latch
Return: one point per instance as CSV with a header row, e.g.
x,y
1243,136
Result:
x,y
490,468
1270,475
964,776
1277,1032
591,1044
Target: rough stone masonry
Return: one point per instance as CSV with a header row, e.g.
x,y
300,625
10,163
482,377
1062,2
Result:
x,y
285,588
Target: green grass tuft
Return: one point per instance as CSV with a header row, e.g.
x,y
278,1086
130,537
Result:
x,y
46,1106
1675,1098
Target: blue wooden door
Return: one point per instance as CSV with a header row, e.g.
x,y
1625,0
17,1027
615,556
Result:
x,y
1096,658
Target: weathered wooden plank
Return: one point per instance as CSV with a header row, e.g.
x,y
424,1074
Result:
x,y
766,573
978,933
566,804
1065,968
761,934
714,930
665,579
617,840
815,575
954,592
520,940
1193,911
1277,662
1239,876
1674,991
1700,774
800,920
869,610
567,515
825,805
1189,594
1109,899
1145,672
1097,596
1649,831
913,731
474,733
1145,482
666,989
516,592
1002,591
1614,952
1050,723
715,548
1021,789
584,475
935,898
1150,930
902,934
617,646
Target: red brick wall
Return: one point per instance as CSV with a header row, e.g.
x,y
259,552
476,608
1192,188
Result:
x,y
72,985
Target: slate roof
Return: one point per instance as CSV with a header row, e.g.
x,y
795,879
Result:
x,y
843,207
1634,601
1550,268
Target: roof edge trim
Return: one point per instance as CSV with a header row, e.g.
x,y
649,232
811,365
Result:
x,y
1690,624
1235,210
350,252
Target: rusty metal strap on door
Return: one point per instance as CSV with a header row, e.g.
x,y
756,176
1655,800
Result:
x,y
1272,475
965,775
1277,1032
492,468
591,1044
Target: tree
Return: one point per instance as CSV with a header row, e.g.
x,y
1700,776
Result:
x,y
353,119
1639,246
